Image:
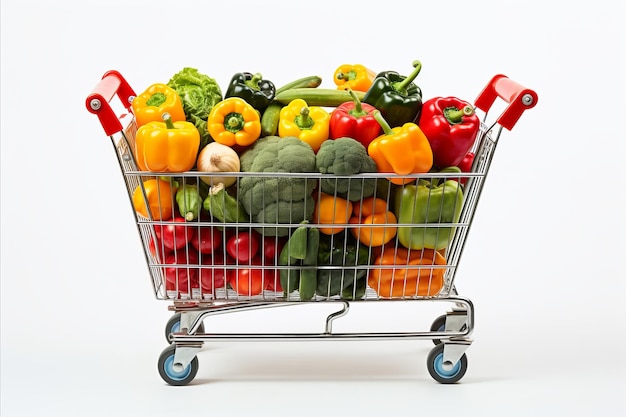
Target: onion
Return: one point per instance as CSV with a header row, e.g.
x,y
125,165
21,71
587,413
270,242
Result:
x,y
216,157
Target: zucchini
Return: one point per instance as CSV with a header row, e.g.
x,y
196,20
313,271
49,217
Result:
x,y
308,275
324,97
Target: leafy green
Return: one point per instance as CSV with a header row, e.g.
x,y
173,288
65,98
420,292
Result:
x,y
199,93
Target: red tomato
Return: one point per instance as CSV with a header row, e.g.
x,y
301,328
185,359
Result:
x,y
206,239
178,275
163,251
271,249
246,281
211,275
272,280
243,246
175,236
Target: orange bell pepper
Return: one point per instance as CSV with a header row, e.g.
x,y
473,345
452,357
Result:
x,y
411,273
167,146
356,77
332,210
158,99
160,197
402,150
373,210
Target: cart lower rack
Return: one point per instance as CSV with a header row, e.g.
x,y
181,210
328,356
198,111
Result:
x,y
258,238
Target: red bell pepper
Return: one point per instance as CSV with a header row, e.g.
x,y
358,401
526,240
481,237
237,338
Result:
x,y
355,120
451,126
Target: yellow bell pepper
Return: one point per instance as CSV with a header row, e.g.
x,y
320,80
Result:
x,y
154,102
309,124
233,121
167,146
402,150
355,77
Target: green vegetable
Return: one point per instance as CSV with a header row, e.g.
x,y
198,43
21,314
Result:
x,y
224,207
199,93
189,201
355,291
294,251
323,97
426,203
340,251
345,156
277,199
308,275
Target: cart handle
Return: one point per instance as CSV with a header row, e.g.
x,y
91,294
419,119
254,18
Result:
x,y
97,102
518,97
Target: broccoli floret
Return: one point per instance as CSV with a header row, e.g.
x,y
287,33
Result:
x,y
278,199
341,157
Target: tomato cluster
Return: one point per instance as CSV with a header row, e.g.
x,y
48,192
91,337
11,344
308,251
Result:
x,y
204,258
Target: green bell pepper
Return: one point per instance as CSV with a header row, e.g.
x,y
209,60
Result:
x,y
428,202
342,252
397,97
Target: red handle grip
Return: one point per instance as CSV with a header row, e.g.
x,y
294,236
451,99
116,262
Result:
x,y
518,97
97,102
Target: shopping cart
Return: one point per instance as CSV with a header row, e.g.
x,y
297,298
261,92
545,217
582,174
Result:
x,y
417,262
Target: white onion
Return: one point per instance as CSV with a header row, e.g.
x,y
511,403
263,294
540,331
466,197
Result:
x,y
216,157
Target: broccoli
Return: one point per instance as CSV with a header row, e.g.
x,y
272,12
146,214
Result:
x,y
276,199
343,157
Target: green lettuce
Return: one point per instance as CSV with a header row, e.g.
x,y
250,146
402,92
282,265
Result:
x,y
199,93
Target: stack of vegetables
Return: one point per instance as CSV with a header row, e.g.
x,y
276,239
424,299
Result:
x,y
281,181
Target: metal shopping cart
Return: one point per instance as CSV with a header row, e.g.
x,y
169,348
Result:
x,y
416,261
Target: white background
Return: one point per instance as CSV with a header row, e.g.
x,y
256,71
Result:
x,y
544,264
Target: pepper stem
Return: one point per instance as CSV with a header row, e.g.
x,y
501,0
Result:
x,y
455,116
234,122
168,120
254,81
357,111
304,120
401,86
156,99
382,122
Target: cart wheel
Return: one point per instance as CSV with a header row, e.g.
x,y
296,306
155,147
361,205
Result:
x,y
173,376
439,325
439,372
173,325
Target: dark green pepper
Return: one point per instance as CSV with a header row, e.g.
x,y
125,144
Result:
x,y
340,251
426,203
397,97
256,91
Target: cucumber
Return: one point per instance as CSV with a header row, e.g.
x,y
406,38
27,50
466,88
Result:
x,y
271,115
270,118
308,275
324,97
294,251
311,81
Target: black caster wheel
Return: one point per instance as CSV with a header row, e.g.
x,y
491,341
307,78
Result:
x,y
170,373
173,326
442,372
439,325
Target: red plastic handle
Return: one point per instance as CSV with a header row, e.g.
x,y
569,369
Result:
x,y
97,102
518,97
